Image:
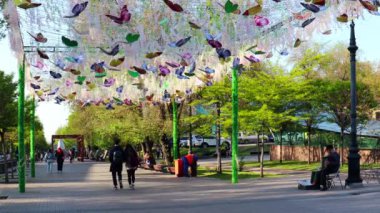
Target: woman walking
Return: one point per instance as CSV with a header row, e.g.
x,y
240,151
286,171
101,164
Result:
x,y
49,158
132,161
60,158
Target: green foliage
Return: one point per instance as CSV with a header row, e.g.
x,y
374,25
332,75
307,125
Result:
x,y
8,109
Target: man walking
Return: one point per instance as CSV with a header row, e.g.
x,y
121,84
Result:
x,y
116,157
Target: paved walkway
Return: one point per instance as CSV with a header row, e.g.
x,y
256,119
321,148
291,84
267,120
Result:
x,y
87,187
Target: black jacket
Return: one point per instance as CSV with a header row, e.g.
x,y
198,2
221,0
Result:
x,y
116,166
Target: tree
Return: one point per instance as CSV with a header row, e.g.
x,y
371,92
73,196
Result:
x,y
8,109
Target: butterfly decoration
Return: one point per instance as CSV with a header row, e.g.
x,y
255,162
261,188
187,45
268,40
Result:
x,y
302,15
370,6
180,42
186,56
109,82
119,89
37,78
75,59
189,92
139,70
59,63
164,70
314,6
173,6
117,101
149,97
28,4
68,83
152,69
68,42
237,65
86,103
194,26
208,70
133,74
173,64
307,22
179,73
191,70
327,32
39,64
214,43
98,67
253,10
80,80
230,7
223,53
124,17
128,102
252,59
74,71
55,75
261,21
59,99
109,106
77,9
35,86
54,91
284,52
132,37
114,51
42,54
297,43
342,18
39,37
152,55
90,85
117,62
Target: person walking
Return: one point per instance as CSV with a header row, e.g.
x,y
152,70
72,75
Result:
x,y
116,157
49,159
60,155
131,162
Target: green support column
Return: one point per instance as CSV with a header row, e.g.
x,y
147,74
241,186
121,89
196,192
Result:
x,y
235,109
175,131
32,155
20,128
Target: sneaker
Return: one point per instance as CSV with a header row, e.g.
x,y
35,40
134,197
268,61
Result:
x,y
115,188
121,185
130,186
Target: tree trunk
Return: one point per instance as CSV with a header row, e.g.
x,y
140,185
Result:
x,y
281,146
218,155
341,146
258,147
190,132
262,156
308,143
2,133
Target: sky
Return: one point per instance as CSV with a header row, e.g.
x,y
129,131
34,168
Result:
x,y
367,30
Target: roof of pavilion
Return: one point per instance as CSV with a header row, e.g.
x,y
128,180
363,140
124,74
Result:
x,y
99,56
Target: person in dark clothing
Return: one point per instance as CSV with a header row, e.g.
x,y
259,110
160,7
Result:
x,y
131,162
60,156
330,164
117,158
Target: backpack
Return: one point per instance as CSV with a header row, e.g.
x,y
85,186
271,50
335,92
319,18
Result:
x,y
118,157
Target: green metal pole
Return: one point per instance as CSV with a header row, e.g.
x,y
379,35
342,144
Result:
x,y
20,128
32,156
175,131
235,109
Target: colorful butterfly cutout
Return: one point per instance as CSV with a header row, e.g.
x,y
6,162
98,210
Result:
x,y
39,37
152,55
80,80
27,4
180,43
253,10
42,54
132,37
68,42
109,82
124,17
173,6
164,70
35,86
55,75
223,53
77,9
114,51
117,62
252,59
261,21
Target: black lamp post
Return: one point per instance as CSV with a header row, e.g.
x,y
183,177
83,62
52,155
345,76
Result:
x,y
353,157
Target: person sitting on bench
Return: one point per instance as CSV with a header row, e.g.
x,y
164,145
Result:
x,y
330,164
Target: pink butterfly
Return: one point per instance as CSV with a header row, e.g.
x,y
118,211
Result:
x,y
39,65
68,83
261,21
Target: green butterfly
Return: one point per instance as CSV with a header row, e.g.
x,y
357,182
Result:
x,y
132,37
230,7
68,42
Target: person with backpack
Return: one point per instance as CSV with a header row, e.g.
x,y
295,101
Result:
x,y
131,162
49,159
116,157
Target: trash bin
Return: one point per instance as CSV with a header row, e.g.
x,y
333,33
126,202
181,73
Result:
x,y
178,164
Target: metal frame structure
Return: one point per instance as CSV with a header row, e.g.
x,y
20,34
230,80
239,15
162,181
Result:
x,y
80,143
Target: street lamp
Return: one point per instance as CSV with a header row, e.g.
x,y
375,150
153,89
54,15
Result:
x,y
353,156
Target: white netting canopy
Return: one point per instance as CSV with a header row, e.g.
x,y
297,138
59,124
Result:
x,y
134,51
